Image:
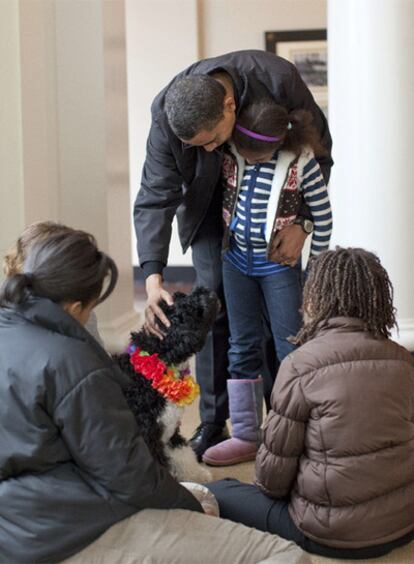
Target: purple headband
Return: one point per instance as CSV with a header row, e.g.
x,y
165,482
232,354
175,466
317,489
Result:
x,y
257,135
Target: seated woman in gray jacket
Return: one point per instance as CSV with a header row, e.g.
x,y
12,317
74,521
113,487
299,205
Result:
x,y
35,233
72,461
334,471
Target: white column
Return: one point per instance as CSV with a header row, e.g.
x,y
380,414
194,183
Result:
x,y
371,113
66,159
93,141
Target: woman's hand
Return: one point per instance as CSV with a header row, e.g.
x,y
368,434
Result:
x,y
288,244
155,294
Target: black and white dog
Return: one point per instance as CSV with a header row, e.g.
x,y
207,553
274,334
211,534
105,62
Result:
x,y
159,418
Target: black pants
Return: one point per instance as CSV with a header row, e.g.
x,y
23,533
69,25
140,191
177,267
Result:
x,y
245,503
212,361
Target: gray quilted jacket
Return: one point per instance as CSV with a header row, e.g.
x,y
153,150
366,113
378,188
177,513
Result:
x,y
72,461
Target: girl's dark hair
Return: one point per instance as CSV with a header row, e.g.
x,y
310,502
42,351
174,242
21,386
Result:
x,y
270,119
351,283
14,259
65,267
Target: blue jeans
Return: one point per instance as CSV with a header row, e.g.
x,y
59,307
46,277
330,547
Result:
x,y
246,296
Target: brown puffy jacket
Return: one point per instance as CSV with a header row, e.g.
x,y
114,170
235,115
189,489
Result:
x,y
340,437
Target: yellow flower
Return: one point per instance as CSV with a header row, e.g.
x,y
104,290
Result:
x,y
193,393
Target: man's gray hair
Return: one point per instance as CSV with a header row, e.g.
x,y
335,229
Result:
x,y
194,103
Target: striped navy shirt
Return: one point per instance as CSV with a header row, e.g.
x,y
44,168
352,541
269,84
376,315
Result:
x,y
248,247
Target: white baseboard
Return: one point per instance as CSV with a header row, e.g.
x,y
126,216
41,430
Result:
x,y
405,335
115,334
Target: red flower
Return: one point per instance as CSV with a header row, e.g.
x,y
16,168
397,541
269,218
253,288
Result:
x,y
176,385
150,366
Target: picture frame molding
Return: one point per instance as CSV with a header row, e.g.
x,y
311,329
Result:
x,y
274,37
300,36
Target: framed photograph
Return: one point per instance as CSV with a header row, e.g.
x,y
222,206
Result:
x,y
307,50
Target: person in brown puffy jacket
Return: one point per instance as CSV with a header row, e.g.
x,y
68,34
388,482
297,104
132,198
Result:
x,y
334,472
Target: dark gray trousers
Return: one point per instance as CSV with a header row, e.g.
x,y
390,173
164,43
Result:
x,y
211,361
245,503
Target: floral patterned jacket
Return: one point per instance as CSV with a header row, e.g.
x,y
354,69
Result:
x,y
285,198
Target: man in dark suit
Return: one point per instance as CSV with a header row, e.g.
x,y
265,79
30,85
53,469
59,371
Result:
x,y
192,117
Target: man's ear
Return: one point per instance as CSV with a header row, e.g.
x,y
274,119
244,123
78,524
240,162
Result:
x,y
229,104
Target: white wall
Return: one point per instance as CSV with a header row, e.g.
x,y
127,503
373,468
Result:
x,y
230,25
162,39
64,132
165,36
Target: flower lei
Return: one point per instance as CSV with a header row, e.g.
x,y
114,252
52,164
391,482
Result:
x,y
176,385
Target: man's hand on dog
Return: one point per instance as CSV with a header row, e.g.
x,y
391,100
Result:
x,y
156,293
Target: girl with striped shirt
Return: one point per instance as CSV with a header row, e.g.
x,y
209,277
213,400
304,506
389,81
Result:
x,y
272,181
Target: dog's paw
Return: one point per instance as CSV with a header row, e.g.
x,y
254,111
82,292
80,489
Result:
x,y
184,466
204,475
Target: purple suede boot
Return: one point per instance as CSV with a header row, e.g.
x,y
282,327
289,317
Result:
x,y
246,408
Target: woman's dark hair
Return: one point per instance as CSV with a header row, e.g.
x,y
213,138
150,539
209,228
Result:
x,y
14,259
351,283
65,267
295,129
194,103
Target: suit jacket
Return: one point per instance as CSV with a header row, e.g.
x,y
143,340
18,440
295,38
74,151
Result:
x,y
178,179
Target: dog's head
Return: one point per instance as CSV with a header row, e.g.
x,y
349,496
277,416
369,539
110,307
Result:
x,y
191,317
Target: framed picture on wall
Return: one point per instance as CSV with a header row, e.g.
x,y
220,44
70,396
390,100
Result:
x,y
307,50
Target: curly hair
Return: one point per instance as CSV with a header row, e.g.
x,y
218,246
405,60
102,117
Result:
x,y
295,128
34,233
348,282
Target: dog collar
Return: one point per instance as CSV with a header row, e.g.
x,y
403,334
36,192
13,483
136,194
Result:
x,y
176,385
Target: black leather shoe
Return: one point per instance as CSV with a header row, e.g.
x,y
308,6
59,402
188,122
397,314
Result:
x,y
207,435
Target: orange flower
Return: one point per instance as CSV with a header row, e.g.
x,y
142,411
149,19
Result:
x,y
177,386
